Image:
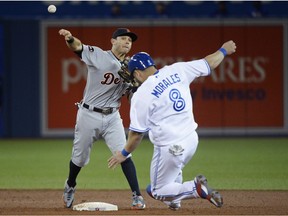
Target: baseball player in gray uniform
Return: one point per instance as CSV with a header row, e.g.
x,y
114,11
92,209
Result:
x,y
163,106
98,113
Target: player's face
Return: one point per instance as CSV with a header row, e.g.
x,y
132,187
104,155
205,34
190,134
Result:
x,y
122,44
138,76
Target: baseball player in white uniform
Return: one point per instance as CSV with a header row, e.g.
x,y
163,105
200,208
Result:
x,y
98,114
163,107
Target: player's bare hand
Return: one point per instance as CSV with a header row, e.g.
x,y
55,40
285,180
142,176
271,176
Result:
x,y
67,34
230,47
116,159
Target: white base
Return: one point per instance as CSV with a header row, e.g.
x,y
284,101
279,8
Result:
x,y
95,206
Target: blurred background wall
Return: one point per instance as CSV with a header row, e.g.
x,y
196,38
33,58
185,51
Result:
x,y
32,55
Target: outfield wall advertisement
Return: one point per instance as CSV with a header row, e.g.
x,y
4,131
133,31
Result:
x,y
244,95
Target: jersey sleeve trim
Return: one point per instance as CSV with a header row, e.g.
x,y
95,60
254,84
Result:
x,y
208,66
137,130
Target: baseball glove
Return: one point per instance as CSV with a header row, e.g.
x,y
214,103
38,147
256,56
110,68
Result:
x,y
124,72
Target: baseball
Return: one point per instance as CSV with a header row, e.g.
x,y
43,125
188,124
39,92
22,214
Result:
x,y
52,9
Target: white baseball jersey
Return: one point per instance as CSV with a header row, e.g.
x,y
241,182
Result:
x,y
162,105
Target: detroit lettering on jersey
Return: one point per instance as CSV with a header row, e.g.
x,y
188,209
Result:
x,y
164,84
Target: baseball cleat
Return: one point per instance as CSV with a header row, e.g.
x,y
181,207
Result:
x,y
137,202
174,206
68,195
205,192
171,205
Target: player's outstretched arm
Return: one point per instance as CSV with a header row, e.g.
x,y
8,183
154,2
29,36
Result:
x,y
72,42
216,58
134,139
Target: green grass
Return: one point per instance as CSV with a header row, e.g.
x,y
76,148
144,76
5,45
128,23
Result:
x,y
228,163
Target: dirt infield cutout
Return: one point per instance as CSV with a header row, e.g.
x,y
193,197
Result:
x,y
49,202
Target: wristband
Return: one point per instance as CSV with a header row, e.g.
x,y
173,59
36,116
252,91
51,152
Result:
x,y
223,51
71,40
125,153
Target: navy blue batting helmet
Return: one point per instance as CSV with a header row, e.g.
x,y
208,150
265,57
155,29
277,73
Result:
x,y
140,61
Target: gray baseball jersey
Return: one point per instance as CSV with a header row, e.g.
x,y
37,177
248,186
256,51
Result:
x,y
104,89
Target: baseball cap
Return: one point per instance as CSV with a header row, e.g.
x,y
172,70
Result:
x,y
124,32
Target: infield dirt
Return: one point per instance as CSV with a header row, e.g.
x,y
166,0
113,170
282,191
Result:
x,y
49,202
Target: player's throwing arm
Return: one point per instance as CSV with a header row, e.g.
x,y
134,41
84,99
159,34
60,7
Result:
x,y
72,42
